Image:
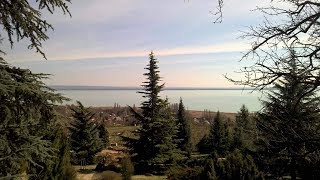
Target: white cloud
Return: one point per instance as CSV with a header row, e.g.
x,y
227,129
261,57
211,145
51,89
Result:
x,y
200,49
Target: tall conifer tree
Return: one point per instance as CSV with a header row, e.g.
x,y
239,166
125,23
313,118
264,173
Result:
x,y
289,126
103,135
245,130
184,131
85,141
155,144
219,138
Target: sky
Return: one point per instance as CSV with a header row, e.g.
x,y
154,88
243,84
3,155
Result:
x,y
106,43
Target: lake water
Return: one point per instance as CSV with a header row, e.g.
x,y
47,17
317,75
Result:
x,y
214,100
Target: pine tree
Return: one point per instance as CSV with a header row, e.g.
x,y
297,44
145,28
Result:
x,y
85,141
155,144
219,137
289,126
103,135
244,131
204,146
184,131
209,171
127,168
26,110
59,165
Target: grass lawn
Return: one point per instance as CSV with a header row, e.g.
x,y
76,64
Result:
x,y
116,131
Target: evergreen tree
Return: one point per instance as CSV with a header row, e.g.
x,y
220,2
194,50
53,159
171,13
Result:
x,y
184,131
85,141
237,166
219,137
204,146
289,126
209,172
26,110
26,103
24,20
103,135
244,132
127,168
155,144
59,165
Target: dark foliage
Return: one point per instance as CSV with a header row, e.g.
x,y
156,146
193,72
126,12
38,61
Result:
x,y
219,138
59,166
288,126
185,173
127,168
237,166
27,105
245,131
155,148
184,130
85,141
103,135
204,145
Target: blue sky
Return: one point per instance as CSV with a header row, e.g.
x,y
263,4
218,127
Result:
x,y
107,42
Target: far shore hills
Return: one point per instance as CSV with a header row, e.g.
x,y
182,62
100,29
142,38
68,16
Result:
x,y
65,87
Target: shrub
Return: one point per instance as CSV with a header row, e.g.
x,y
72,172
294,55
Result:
x,y
185,173
237,166
108,175
70,173
127,168
114,166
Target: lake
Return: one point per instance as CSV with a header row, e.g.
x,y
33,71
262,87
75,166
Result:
x,y
214,100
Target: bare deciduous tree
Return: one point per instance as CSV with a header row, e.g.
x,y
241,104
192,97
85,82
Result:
x,y
296,27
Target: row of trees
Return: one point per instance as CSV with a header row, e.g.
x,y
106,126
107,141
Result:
x,y
164,141
280,140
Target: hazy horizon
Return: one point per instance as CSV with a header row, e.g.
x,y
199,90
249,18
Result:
x,y
89,87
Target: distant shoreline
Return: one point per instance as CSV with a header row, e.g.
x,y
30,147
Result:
x,y
74,88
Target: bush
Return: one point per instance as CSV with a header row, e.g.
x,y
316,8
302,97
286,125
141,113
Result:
x,y
108,175
101,166
70,173
237,166
127,168
114,166
184,173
